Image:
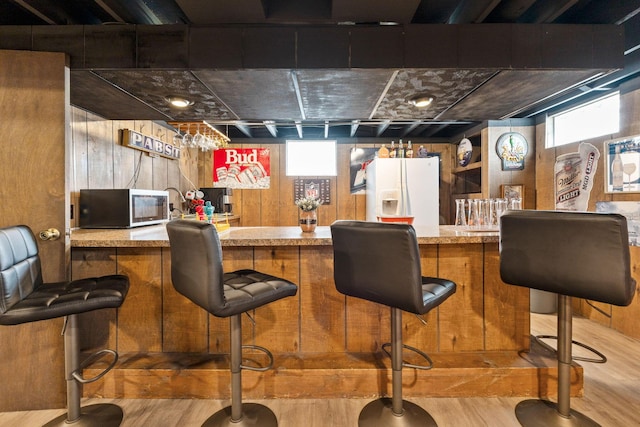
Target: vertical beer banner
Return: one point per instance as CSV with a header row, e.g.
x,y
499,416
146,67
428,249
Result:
x,y
242,168
574,174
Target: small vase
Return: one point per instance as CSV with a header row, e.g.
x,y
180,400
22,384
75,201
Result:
x,y
308,220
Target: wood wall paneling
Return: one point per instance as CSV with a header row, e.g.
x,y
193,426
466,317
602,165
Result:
x,y
140,316
461,316
322,308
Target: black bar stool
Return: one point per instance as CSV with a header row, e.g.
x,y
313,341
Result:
x,y
573,254
25,298
196,272
380,262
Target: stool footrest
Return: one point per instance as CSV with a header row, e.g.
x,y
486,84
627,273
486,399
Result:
x,y
601,357
415,350
263,350
77,374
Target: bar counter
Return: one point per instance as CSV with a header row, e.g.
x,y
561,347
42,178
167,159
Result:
x,y
156,236
325,344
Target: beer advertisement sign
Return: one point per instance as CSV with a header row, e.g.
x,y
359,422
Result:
x,y
242,168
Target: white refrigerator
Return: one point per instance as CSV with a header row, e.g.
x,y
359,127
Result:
x,y
404,187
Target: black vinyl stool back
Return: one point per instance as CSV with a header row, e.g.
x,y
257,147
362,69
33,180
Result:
x,y
197,273
573,254
25,298
380,262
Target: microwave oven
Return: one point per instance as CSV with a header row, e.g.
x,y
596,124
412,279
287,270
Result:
x,y
123,208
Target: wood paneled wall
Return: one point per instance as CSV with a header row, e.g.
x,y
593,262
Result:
x,y
619,318
275,206
99,161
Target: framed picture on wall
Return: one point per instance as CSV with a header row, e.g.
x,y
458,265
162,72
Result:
x,y
511,191
622,174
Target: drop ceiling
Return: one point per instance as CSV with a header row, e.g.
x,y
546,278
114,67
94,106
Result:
x,y
341,68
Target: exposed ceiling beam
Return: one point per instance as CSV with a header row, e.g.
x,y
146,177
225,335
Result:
x,y
299,128
296,87
36,12
354,127
243,128
407,130
110,11
271,127
382,127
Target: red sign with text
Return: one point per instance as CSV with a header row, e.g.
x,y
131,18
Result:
x,y
242,168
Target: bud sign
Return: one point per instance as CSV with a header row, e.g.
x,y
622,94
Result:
x,y
241,168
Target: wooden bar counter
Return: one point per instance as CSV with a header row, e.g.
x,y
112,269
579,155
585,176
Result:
x,y
325,344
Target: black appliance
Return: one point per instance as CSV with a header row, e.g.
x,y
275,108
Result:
x,y
220,198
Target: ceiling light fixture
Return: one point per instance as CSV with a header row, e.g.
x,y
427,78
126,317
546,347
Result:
x,y
421,101
178,101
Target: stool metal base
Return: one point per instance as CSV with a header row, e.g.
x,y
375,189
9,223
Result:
x,y
100,415
542,413
379,413
253,414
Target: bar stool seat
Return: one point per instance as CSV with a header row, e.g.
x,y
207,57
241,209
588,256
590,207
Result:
x,y
573,254
380,262
197,273
25,298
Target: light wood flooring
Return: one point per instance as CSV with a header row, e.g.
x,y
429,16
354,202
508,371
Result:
x,y
611,396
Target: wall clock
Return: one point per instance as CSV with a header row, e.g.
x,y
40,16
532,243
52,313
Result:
x,y
512,148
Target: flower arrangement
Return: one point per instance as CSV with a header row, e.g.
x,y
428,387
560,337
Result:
x,y
308,203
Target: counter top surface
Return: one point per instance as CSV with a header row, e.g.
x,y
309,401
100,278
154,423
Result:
x,y
156,236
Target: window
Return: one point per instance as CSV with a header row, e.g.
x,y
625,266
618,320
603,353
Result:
x,y
596,118
311,158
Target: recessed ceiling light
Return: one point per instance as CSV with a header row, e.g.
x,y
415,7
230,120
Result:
x,y
421,101
178,101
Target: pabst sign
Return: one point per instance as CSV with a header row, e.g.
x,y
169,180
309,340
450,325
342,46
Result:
x,y
133,139
242,168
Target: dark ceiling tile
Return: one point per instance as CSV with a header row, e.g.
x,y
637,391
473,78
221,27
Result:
x,y
254,94
154,86
341,94
447,86
90,92
513,90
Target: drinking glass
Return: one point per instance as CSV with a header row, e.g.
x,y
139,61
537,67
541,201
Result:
x,y
474,214
500,208
198,139
187,139
516,204
461,214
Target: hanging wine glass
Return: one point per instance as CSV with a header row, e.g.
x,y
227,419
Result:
x,y
198,139
187,139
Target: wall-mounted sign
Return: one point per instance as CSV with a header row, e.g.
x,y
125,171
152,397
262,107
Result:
x,y
574,174
465,151
138,141
242,168
317,188
622,165
512,147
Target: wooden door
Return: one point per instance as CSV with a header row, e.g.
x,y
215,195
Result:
x,y
34,123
